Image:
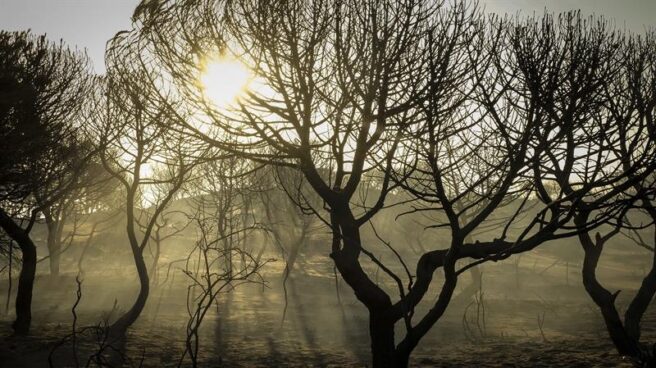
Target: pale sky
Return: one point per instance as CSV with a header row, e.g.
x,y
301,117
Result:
x,y
82,23
90,23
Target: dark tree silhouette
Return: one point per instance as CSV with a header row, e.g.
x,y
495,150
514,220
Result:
x,y
345,83
533,122
43,87
150,164
592,90
630,137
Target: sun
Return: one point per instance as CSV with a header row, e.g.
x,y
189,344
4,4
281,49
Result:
x,y
223,80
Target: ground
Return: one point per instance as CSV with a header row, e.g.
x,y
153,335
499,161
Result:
x,y
529,316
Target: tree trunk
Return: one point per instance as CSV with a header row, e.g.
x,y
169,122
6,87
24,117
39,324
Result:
x,y
401,359
154,264
381,332
381,326
639,305
53,241
26,278
54,248
643,298
625,344
25,287
118,328
121,325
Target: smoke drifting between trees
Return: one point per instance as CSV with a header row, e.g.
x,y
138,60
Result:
x,y
481,138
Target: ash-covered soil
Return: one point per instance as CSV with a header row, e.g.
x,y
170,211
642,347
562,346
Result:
x,y
527,316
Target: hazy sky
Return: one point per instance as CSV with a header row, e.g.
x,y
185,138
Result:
x,y
90,23
82,23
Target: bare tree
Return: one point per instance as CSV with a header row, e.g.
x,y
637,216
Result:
x,y
591,156
629,136
221,258
344,82
538,120
136,144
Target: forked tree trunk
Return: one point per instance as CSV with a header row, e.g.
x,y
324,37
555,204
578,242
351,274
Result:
x,y
26,278
639,305
385,353
624,344
381,324
646,292
624,335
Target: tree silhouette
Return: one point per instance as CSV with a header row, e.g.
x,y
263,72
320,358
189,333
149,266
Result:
x,y
221,258
149,163
629,134
43,87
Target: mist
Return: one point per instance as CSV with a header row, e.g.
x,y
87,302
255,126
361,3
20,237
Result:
x,y
330,184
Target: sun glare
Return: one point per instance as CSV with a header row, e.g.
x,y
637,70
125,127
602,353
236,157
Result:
x,y
223,80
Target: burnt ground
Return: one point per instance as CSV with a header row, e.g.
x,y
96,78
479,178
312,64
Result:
x,y
533,315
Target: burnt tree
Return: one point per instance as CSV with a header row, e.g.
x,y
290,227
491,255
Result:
x,y
43,88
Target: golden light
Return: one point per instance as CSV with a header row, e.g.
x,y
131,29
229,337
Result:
x,y
223,80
